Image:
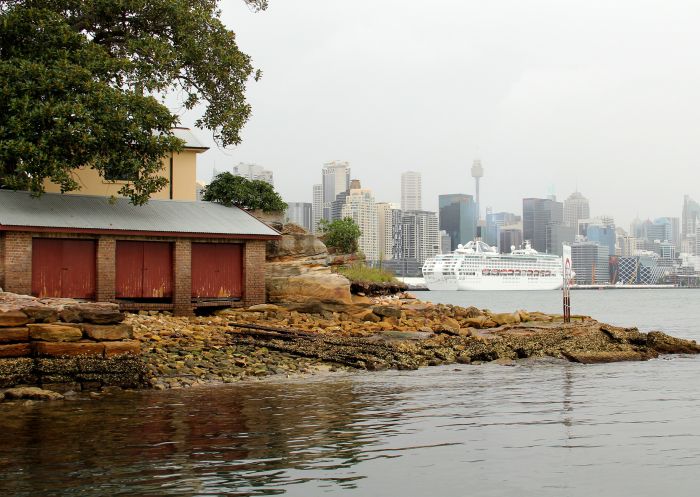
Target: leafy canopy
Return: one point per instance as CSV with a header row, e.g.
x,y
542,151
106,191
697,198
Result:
x,y
78,80
228,189
341,235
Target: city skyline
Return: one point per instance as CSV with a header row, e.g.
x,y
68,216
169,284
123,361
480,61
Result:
x,y
585,112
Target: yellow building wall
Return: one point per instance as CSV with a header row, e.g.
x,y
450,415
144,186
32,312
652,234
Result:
x,y
183,180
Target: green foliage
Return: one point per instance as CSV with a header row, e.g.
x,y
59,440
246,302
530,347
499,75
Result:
x,y
341,235
78,79
362,273
229,190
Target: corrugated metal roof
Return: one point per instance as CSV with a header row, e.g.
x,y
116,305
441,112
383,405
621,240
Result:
x,y
191,141
53,210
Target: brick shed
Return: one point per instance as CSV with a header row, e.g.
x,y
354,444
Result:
x,y
165,255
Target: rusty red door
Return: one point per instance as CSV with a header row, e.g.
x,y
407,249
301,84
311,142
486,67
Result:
x,y
144,269
63,268
217,270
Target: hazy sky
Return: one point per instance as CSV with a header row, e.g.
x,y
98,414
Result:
x,y
549,94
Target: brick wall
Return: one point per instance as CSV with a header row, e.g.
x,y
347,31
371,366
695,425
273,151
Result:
x,y
254,272
2,261
18,262
182,275
106,268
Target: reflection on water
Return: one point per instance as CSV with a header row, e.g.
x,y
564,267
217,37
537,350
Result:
x,y
548,428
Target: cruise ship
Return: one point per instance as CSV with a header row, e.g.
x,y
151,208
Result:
x,y
477,266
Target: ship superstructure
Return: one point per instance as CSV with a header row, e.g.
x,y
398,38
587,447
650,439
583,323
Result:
x,y
477,266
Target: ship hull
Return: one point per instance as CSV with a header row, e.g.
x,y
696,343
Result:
x,y
508,283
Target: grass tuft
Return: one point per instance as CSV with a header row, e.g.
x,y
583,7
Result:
x,y
360,272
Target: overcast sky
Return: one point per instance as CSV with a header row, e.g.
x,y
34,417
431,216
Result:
x,y
550,94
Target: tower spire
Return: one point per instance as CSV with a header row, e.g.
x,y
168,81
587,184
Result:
x,y
477,174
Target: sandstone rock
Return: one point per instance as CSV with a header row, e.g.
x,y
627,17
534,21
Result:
x,y
61,349
295,245
369,316
506,318
387,311
13,318
70,314
263,308
33,393
450,324
55,332
102,316
476,322
468,312
15,350
323,287
361,300
131,347
524,316
9,335
597,357
108,332
41,314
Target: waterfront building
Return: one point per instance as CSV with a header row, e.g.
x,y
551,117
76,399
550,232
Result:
x,y
253,172
539,217
421,236
397,237
642,269
335,180
667,250
360,207
317,207
590,263
299,213
458,217
557,235
411,191
575,208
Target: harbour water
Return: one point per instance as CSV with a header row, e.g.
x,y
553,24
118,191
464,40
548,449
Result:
x,y
546,428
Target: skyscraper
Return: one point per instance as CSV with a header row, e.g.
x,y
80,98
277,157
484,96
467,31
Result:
x,y
494,222
576,208
317,207
458,217
299,213
385,241
690,217
411,191
360,206
421,237
336,179
540,217
253,172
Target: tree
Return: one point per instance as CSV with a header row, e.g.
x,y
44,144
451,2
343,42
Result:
x,y
79,81
228,189
341,235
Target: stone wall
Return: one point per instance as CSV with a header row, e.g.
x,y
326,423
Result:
x,y
62,344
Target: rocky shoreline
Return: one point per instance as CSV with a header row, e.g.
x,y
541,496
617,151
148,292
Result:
x,y
367,334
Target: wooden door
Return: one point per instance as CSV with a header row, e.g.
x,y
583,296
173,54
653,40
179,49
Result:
x,y
63,268
217,270
144,270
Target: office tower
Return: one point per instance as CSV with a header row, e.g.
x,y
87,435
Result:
x,y
477,173
494,222
396,232
590,262
509,238
603,236
385,231
317,207
335,180
360,206
540,216
299,213
575,208
253,172
421,237
690,216
411,191
458,217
